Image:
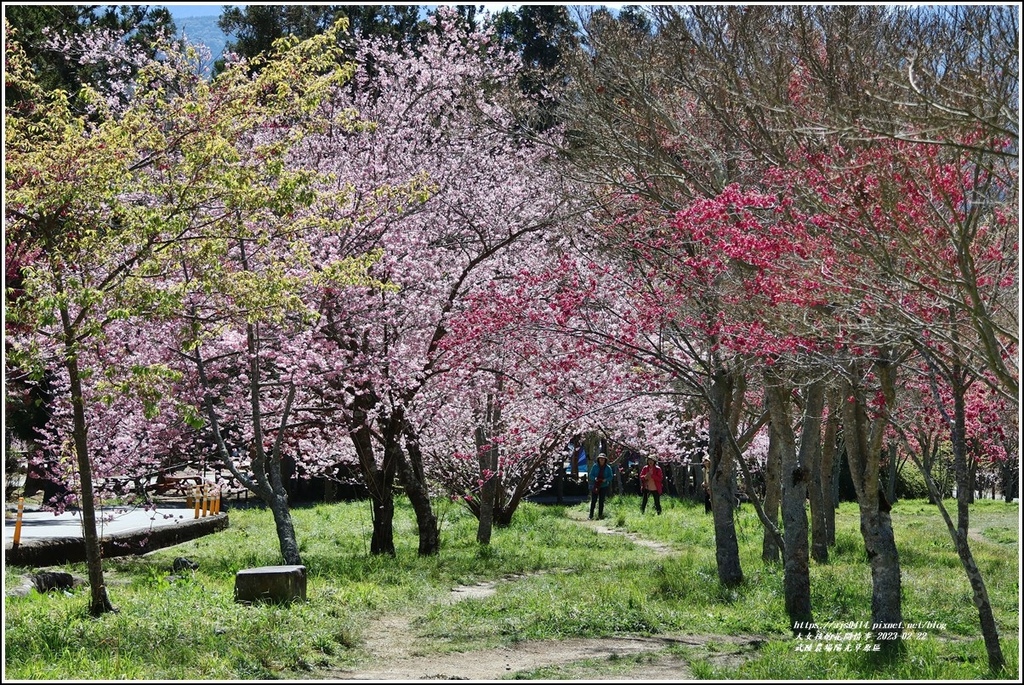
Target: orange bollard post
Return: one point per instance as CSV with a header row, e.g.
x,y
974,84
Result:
x,y
216,500
195,496
17,522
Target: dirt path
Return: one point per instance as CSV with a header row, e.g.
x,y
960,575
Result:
x,y
398,654
660,548
499,663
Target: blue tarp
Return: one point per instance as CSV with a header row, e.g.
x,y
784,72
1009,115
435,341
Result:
x,y
581,461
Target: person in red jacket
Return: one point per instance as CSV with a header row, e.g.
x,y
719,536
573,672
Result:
x,y
651,478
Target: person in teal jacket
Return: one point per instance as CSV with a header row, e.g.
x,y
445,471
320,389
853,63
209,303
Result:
x,y
600,480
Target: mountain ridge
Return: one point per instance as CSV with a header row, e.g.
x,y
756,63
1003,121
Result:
x,y
203,30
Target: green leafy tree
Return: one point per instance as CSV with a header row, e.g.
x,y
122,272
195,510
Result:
x,y
95,201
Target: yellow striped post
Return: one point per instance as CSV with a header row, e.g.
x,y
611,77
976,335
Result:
x,y
17,521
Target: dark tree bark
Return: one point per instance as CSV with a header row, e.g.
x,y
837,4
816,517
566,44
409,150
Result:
x,y
829,467
488,426
505,508
382,511
272,488
797,576
959,533
379,481
488,493
99,602
890,474
723,481
996,661
958,379
810,460
284,526
863,438
770,551
416,489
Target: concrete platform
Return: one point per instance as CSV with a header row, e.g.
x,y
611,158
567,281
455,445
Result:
x,y
281,584
48,539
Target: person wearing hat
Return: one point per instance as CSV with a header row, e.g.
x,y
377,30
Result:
x,y
651,478
600,479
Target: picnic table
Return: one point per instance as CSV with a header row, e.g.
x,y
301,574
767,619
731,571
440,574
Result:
x,y
182,486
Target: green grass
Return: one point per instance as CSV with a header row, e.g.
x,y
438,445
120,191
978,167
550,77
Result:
x,y
560,579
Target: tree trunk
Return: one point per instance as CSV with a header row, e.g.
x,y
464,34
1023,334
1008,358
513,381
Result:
x,y
886,607
797,577
486,520
382,502
285,529
265,480
863,445
419,496
394,429
989,630
267,467
1010,482
379,482
330,490
487,456
890,485
593,444
505,509
972,485
810,460
99,602
829,470
964,498
278,503
723,481
958,533
770,552
560,477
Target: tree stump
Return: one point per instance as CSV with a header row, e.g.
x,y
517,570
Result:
x,y
281,584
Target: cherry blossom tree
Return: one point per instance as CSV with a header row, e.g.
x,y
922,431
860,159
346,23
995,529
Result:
x,y
924,234
245,332
664,122
97,196
967,415
507,424
440,122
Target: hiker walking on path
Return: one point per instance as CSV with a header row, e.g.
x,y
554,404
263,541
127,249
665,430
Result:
x,y
651,477
600,480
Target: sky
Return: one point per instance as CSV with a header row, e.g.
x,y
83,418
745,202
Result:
x,y
186,9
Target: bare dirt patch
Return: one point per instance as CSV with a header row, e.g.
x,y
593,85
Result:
x,y
592,659
399,654
494,664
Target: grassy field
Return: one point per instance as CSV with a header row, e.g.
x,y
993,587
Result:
x,y
564,579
